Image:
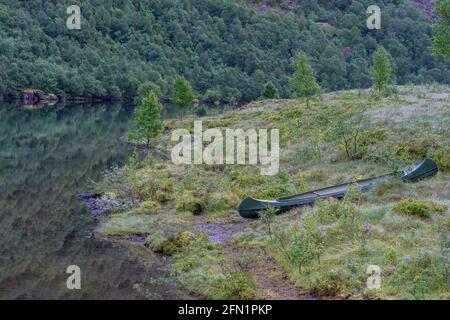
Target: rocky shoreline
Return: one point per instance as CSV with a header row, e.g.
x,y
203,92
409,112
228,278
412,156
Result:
x,y
101,203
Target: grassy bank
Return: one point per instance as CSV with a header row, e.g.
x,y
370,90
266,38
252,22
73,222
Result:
x,y
323,251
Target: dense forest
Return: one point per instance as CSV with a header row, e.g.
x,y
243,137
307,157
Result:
x,y
227,49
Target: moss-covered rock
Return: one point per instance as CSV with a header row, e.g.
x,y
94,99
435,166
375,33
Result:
x,y
179,241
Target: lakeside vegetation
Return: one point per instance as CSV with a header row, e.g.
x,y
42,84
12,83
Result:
x,y
303,67
188,212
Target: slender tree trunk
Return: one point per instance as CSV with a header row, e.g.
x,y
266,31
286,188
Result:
x,y
182,115
308,120
346,144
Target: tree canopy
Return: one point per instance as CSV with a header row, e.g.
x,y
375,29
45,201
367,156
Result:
x,y
228,50
441,30
146,118
270,91
303,80
182,94
382,71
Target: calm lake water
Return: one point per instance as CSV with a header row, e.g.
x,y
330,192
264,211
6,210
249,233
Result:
x,y
46,157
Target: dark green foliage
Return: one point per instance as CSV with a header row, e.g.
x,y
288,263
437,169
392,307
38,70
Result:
x,y
413,208
348,129
145,89
441,29
229,47
382,71
421,274
270,91
442,157
420,208
182,94
303,81
147,118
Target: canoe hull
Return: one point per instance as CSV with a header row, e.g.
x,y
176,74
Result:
x,y
251,208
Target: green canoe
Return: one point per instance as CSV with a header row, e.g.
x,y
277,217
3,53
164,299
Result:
x,y
251,208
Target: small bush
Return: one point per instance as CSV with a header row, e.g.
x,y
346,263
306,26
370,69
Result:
x,y
390,255
420,208
156,241
329,210
310,153
412,207
189,203
145,208
373,136
306,242
220,201
162,196
329,283
179,241
385,154
353,194
235,285
244,180
273,191
422,275
442,158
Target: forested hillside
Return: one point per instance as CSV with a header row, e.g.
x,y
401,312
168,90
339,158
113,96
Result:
x,y
227,49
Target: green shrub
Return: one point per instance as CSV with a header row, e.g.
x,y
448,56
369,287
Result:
x,y
442,158
420,208
312,152
423,275
412,207
145,207
328,283
179,241
329,210
373,136
306,242
188,202
385,154
156,241
163,196
244,180
418,147
220,201
390,255
273,191
235,285
353,194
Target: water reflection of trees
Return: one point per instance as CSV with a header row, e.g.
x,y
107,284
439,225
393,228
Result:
x,y
46,156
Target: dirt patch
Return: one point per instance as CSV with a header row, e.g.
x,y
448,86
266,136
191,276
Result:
x,y
273,282
271,279
222,231
276,285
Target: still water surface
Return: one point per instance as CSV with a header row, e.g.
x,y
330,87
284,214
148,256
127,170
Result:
x,y
46,157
